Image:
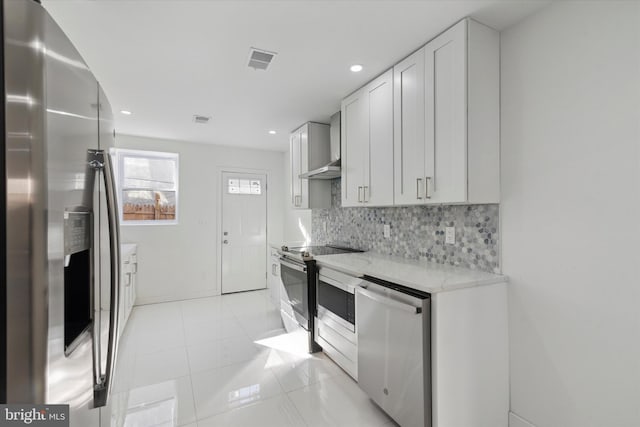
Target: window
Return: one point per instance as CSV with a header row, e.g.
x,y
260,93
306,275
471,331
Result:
x,y
148,186
244,186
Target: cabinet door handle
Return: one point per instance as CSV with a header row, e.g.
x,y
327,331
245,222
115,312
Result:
x,y
364,194
418,183
359,194
427,181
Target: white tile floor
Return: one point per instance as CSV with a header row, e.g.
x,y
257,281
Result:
x,y
226,361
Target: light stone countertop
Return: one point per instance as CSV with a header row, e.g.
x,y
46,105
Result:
x,y
424,276
126,248
278,245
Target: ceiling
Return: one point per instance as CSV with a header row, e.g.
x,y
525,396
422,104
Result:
x,y
167,60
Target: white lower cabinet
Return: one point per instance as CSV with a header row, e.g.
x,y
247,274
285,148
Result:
x,y
470,357
128,282
430,355
274,283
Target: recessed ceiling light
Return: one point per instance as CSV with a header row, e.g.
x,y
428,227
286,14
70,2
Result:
x,y
125,112
272,132
356,68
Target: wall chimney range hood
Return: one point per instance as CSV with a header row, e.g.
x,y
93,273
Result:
x,y
331,170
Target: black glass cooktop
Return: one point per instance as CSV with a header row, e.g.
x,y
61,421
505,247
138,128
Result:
x,y
321,250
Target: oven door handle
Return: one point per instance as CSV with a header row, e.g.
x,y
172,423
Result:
x,y
296,267
347,288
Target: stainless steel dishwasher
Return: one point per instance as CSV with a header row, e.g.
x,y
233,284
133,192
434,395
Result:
x,y
394,349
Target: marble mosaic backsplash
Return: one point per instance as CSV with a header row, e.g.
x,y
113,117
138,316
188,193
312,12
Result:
x,y
417,232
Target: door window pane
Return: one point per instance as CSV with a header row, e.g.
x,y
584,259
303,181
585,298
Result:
x,y
244,186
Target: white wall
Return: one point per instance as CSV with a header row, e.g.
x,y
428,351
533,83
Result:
x,y
571,213
180,261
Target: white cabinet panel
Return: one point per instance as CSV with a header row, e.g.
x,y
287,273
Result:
x,y
409,129
446,117
470,357
273,273
355,135
378,170
310,149
128,282
296,182
304,166
367,144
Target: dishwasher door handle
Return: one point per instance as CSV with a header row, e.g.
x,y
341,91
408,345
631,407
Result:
x,y
389,302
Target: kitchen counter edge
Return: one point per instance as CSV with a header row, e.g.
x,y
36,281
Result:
x,y
424,276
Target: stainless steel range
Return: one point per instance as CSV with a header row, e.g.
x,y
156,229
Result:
x,y
299,276
305,253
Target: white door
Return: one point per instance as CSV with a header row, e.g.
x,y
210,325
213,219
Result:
x,y
244,232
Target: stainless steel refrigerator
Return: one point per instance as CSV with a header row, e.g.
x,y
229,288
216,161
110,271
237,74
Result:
x,y
59,287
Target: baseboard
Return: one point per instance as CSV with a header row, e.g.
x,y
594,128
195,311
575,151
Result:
x,y
517,421
173,298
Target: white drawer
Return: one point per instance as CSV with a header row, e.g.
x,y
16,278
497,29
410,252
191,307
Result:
x,y
348,349
286,306
349,365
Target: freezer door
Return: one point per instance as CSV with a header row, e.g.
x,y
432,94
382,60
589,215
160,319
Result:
x,y
71,130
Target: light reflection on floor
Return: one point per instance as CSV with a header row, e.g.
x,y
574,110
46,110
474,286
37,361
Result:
x,y
225,361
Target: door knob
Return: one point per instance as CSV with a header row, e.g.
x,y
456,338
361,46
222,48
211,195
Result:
x,y
225,242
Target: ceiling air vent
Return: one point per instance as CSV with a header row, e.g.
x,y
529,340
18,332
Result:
x,y
260,59
201,119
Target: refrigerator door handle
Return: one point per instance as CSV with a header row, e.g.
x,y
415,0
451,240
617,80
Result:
x,y
101,161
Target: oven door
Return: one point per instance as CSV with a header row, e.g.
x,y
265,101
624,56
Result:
x,y
336,301
296,286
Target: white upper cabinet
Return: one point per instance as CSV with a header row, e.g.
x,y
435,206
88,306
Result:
x,y
367,144
446,119
296,164
409,129
353,141
378,183
309,149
